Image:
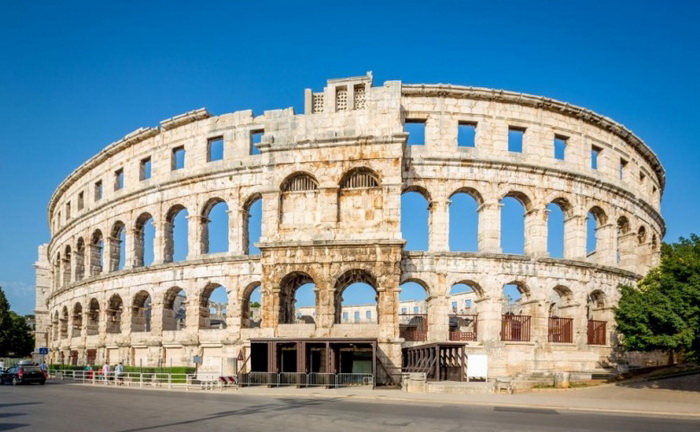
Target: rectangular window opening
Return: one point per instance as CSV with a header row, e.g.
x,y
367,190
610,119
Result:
x,y
560,147
356,315
119,179
67,211
215,149
255,140
81,200
98,190
595,155
515,139
623,168
145,169
178,158
466,134
416,131
642,177
368,315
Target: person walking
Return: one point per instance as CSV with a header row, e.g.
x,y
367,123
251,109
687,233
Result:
x,y
119,374
106,370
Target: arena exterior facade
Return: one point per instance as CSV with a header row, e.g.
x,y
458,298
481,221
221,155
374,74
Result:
x,y
331,182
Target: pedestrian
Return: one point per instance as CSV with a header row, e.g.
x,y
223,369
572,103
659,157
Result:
x,y
118,374
106,370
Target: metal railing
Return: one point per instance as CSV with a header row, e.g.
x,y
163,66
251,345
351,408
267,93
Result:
x,y
560,330
413,327
463,327
515,328
596,332
301,379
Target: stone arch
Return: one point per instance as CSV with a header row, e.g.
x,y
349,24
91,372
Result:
x,y
560,227
93,317
214,218
299,200
80,259
212,314
560,327
463,312
352,277
141,312
642,235
77,319
96,252
251,315
464,204
560,300
414,299
360,197
516,320
597,302
175,234
56,271
515,206
416,217
252,224
117,238
596,219
288,287
143,242
66,265
55,322
115,308
174,309
623,247
64,322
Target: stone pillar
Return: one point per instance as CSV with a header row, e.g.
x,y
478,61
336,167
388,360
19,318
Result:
x,y
387,308
129,249
329,208
159,241
114,253
489,319
490,227
65,270
270,216
325,308
536,232
197,236
438,318
95,254
605,245
156,317
438,228
168,242
626,250
575,237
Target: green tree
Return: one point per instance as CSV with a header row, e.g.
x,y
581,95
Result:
x,y
663,313
16,338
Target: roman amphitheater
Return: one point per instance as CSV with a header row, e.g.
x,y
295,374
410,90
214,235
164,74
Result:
x,y
330,186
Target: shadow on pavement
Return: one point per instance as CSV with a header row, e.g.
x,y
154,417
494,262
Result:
x,y
683,383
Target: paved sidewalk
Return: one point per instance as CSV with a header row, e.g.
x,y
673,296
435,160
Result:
x,y
629,398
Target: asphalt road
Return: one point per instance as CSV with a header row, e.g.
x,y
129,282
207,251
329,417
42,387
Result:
x,y
58,407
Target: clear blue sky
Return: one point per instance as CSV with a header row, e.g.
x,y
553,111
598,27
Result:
x,y
78,75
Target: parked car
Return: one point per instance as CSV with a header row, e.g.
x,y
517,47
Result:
x,y
23,374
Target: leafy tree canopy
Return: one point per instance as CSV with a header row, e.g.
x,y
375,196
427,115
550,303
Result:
x,y
16,337
663,313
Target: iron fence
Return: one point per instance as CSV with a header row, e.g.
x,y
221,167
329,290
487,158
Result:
x,y
596,332
515,328
560,330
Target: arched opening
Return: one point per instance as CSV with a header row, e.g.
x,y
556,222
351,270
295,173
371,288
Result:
x,y
622,246
595,310
55,325
251,306
305,304
96,248
66,265
93,318
77,320
560,326
289,286
413,311
299,200
252,225
141,312
214,229
117,240
80,259
213,307
114,311
513,207
145,233
176,234
360,196
174,309
464,221
56,271
515,321
356,298
594,221
556,220
415,219
64,323
463,315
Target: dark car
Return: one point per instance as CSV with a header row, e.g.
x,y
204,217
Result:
x,y
23,374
